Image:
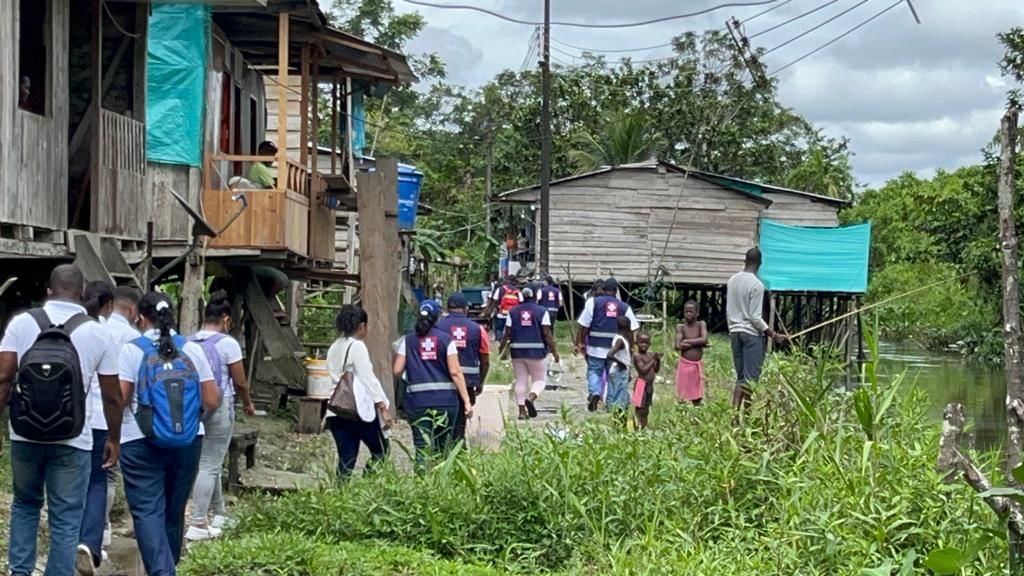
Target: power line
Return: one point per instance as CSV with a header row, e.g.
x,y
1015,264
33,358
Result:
x,y
618,51
763,12
793,19
586,25
838,38
812,29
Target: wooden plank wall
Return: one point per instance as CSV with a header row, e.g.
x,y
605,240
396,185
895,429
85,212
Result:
x,y
617,224
33,149
170,221
346,242
121,201
798,210
294,115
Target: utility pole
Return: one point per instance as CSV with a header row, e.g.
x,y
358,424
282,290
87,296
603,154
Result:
x,y
545,142
487,180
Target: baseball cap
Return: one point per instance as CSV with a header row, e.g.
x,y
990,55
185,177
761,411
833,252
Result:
x,y
457,300
430,309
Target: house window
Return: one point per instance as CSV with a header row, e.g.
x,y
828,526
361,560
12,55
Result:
x,y
34,56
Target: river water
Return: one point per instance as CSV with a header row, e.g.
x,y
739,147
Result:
x,y
980,387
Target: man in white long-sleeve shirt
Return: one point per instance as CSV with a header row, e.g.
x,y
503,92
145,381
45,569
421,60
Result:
x,y
744,306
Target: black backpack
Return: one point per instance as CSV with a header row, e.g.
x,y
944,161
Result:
x,y
48,403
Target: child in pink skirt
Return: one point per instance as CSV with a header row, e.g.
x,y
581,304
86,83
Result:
x,y
691,339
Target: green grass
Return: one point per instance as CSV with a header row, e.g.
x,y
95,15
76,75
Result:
x,y
800,489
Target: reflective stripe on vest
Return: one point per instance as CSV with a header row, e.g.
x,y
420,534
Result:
x,y
468,337
429,387
526,324
605,323
528,345
470,370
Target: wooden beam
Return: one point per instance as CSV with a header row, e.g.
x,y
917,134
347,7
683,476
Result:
x,y
380,262
304,109
334,125
282,101
349,153
315,105
96,174
139,74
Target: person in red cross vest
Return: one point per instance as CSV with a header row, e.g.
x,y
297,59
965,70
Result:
x,y
530,340
436,386
474,347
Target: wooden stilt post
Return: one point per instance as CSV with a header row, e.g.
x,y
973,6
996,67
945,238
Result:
x,y
380,263
282,99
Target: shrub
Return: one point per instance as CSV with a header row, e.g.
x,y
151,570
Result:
x,y
800,489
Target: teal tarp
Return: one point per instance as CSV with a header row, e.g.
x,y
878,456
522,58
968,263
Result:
x,y
798,259
176,83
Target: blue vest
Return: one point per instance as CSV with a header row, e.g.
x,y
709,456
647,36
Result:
x,y
605,323
549,298
468,336
426,371
527,333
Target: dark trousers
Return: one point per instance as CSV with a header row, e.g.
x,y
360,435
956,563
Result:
x,y
157,486
347,436
432,430
747,358
94,521
460,419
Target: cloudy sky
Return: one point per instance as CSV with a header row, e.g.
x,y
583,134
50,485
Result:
x,y
909,97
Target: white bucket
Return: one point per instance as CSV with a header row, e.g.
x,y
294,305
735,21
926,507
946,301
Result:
x,y
318,380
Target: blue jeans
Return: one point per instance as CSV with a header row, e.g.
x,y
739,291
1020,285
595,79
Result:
x,y
433,430
747,358
94,519
207,494
60,474
157,484
595,373
617,397
499,327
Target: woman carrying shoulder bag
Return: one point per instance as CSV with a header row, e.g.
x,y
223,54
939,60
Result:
x,y
360,413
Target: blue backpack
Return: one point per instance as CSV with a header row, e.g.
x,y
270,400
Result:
x,y
169,396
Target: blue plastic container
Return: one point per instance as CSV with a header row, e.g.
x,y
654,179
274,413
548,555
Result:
x,y
410,182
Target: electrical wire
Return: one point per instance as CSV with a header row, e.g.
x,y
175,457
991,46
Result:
x,y
586,25
813,28
838,38
763,12
793,19
617,51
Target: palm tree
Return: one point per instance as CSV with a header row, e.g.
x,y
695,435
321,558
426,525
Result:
x,y
627,137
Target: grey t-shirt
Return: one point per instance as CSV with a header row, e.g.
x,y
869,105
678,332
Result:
x,y
744,304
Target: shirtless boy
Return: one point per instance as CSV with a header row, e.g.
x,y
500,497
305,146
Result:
x,y
691,339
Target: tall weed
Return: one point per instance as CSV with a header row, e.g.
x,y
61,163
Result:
x,y
809,486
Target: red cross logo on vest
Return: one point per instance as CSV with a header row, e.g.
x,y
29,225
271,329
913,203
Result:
x,y
526,318
611,310
459,333
428,348
551,296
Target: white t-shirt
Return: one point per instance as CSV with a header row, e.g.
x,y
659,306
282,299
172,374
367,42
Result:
x,y
96,354
130,361
121,332
622,356
368,390
230,351
587,317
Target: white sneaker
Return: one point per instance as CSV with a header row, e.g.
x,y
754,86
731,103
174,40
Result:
x,y
220,522
196,534
83,561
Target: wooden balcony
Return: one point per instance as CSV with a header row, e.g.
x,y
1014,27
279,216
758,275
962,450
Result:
x,y
290,218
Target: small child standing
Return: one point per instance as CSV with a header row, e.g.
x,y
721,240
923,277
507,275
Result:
x,y
619,362
691,339
647,364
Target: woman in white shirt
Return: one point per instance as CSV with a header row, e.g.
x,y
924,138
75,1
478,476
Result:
x,y
157,479
348,354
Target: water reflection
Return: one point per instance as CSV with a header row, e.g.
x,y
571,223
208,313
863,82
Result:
x,y
981,388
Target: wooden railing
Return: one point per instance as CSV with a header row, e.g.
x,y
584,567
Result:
x,y
276,219
121,208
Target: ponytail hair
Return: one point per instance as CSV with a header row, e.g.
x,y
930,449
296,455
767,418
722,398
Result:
x,y
218,307
424,324
98,294
159,311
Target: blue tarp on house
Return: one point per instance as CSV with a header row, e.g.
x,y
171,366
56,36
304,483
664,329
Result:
x,y
178,41
799,259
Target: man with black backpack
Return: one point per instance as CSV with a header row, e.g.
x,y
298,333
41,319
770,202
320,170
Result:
x,y
47,359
